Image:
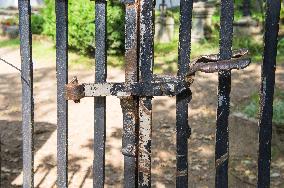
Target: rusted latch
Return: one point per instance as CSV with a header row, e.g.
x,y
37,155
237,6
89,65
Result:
x,y
212,63
160,85
74,91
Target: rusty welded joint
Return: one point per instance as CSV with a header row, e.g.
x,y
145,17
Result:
x,y
74,91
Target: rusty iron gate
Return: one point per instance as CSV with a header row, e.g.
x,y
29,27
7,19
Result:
x,y
141,86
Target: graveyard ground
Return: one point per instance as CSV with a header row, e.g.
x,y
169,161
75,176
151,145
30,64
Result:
x,y
243,130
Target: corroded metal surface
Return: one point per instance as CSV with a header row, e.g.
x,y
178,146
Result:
x,y
129,107
27,92
267,91
223,65
224,89
160,86
145,135
216,57
100,102
134,89
182,127
130,104
74,91
138,90
141,86
62,79
146,61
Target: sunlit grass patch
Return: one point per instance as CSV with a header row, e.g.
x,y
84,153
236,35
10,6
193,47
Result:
x,y
251,109
9,43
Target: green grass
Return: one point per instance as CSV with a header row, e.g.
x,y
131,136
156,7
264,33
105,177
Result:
x,y
9,43
45,49
251,109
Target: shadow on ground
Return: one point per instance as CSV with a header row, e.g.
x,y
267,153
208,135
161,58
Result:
x,y
243,136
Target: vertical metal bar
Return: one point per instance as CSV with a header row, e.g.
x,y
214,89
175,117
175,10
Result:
x,y
100,102
27,92
129,140
61,8
146,61
130,104
182,100
224,89
267,91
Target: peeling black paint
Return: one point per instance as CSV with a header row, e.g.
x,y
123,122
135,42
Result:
x,y
224,89
100,102
267,91
183,129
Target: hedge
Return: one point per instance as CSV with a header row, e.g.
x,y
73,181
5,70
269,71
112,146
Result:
x,y
81,18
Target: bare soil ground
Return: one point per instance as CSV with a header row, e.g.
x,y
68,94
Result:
x,y
243,133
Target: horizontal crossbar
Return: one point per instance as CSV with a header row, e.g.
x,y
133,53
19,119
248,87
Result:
x,y
166,86
161,85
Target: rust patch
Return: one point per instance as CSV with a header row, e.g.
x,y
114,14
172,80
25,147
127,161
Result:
x,y
129,105
74,91
131,68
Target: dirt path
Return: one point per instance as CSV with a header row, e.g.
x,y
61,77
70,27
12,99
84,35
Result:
x,y
243,133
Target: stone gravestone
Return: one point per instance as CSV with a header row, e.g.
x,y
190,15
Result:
x,y
164,26
246,26
201,19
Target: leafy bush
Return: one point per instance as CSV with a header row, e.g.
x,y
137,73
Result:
x,y
37,22
115,27
81,17
282,13
255,47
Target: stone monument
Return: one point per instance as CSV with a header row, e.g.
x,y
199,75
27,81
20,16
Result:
x,y
164,25
201,19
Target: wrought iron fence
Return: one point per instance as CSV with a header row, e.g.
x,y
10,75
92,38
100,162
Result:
x,y
141,86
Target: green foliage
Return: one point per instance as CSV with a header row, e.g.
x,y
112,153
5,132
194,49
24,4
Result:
x,y
282,12
48,15
115,27
37,22
280,49
81,17
252,108
11,43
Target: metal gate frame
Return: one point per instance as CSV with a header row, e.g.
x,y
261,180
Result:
x,y
141,85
